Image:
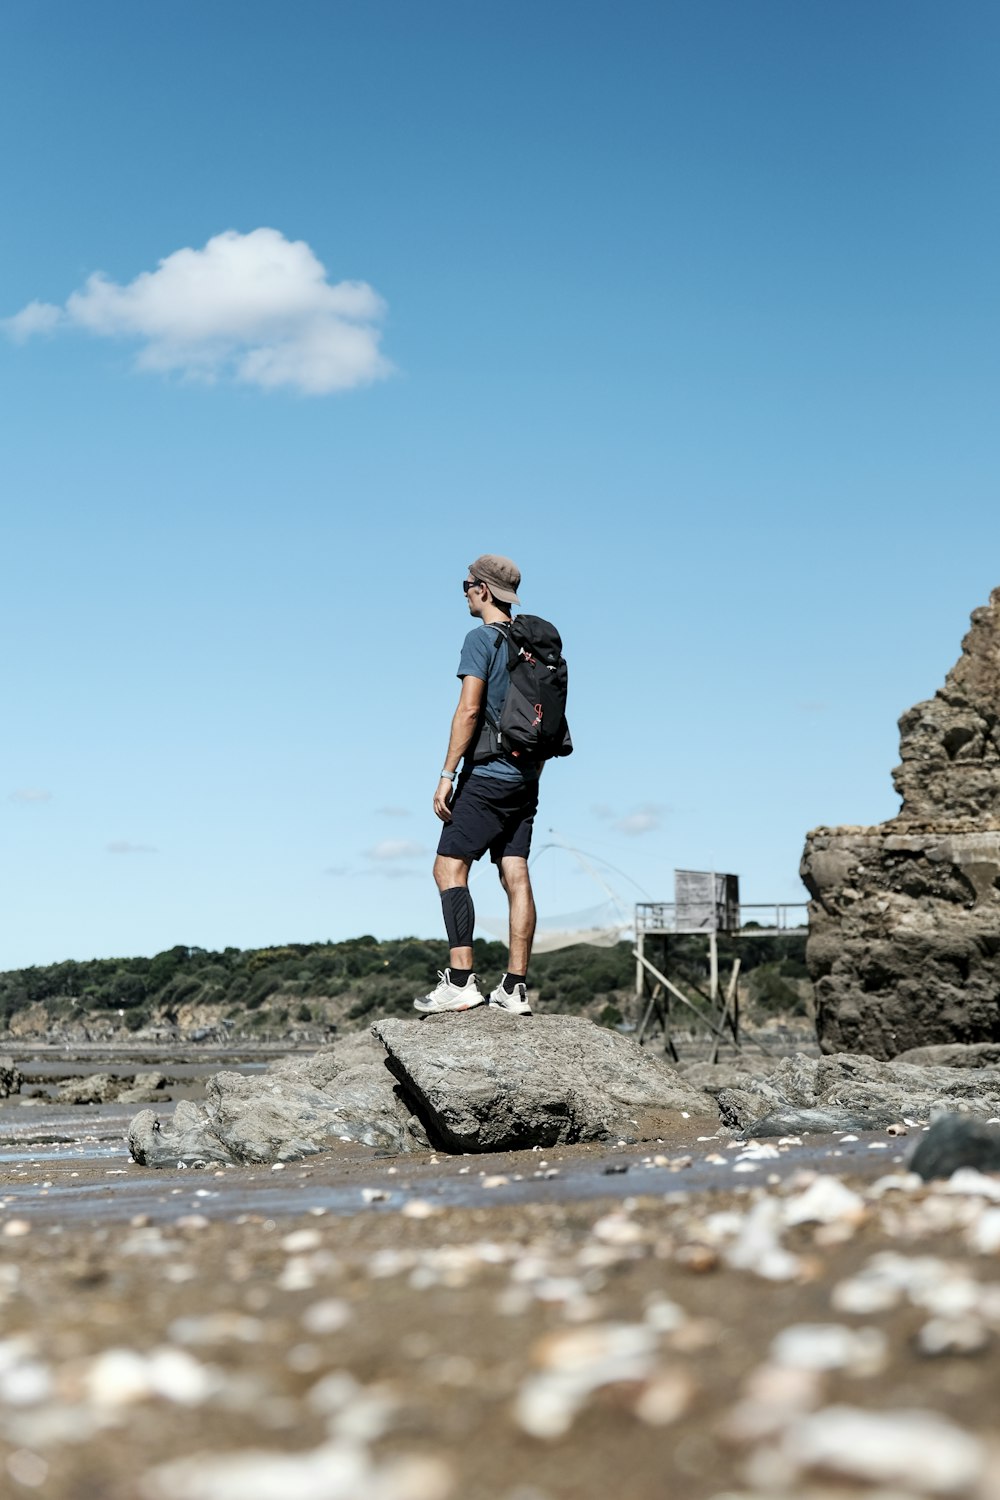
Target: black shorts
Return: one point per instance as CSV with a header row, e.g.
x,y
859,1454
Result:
x,y
490,812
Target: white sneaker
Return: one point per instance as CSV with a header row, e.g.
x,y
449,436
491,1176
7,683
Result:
x,y
517,1003
448,996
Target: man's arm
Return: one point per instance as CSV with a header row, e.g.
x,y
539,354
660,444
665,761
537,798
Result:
x,y
463,727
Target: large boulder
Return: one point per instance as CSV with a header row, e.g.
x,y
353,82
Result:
x,y
848,1092
904,922
489,1081
302,1106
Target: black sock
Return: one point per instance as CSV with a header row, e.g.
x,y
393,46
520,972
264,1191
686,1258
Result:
x,y
511,981
460,977
459,916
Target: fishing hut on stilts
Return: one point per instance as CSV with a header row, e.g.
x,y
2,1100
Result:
x,y
707,904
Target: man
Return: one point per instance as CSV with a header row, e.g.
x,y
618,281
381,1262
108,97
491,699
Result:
x,y
491,805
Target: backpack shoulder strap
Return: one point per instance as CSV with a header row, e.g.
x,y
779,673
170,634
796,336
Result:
x,y
502,636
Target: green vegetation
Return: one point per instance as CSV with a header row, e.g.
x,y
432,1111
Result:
x,y
317,984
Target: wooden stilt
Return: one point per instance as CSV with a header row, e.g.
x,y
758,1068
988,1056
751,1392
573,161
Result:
x,y
732,992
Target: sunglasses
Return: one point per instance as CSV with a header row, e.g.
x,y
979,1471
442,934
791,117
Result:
x,y
471,583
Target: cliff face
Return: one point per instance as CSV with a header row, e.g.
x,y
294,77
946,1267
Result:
x,y
904,922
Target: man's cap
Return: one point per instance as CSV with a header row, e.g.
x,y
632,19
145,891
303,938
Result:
x,y
500,573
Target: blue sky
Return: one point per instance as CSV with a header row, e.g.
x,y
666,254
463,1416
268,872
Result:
x,y
691,308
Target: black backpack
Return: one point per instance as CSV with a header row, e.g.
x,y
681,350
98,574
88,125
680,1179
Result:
x,y
532,725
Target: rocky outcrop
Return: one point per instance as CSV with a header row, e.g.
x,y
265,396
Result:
x,y
296,1109
486,1081
904,921
847,1092
490,1081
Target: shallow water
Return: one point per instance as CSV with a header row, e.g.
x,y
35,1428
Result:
x,y
95,1179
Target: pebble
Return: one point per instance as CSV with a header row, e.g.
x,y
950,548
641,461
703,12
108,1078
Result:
x,y
334,1471
824,1201
300,1240
327,1316
665,1398
757,1248
921,1449
120,1377
217,1328
16,1229
618,1229
968,1180
983,1234
759,1151
27,1468
957,1335
418,1208
575,1363
831,1346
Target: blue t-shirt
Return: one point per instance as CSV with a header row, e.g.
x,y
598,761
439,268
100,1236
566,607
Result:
x,y
481,658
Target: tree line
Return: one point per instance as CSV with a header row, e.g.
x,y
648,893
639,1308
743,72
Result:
x,y
363,977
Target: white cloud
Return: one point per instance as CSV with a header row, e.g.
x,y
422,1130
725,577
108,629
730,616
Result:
x,y
643,820
30,794
393,849
122,846
37,317
254,306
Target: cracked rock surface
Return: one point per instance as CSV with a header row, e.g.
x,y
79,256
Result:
x,y
489,1081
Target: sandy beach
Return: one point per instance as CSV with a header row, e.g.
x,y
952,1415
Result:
x,y
591,1321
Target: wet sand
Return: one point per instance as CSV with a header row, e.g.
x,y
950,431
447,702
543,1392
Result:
x,y
536,1326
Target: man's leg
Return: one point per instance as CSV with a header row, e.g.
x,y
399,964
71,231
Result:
x,y
457,988
516,882
452,878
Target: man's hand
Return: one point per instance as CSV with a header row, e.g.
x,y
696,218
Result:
x,y
442,798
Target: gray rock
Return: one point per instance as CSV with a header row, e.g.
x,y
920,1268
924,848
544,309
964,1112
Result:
x,y
304,1106
489,1081
186,1141
712,1078
856,1093
955,1141
146,1088
10,1078
798,1120
902,944
98,1088
105,1088
954,1055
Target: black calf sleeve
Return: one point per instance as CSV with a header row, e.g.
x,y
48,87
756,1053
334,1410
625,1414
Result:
x,y
459,916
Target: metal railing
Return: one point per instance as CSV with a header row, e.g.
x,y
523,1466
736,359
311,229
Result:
x,y
777,916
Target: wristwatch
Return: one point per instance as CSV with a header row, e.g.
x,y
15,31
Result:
x,y
448,775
